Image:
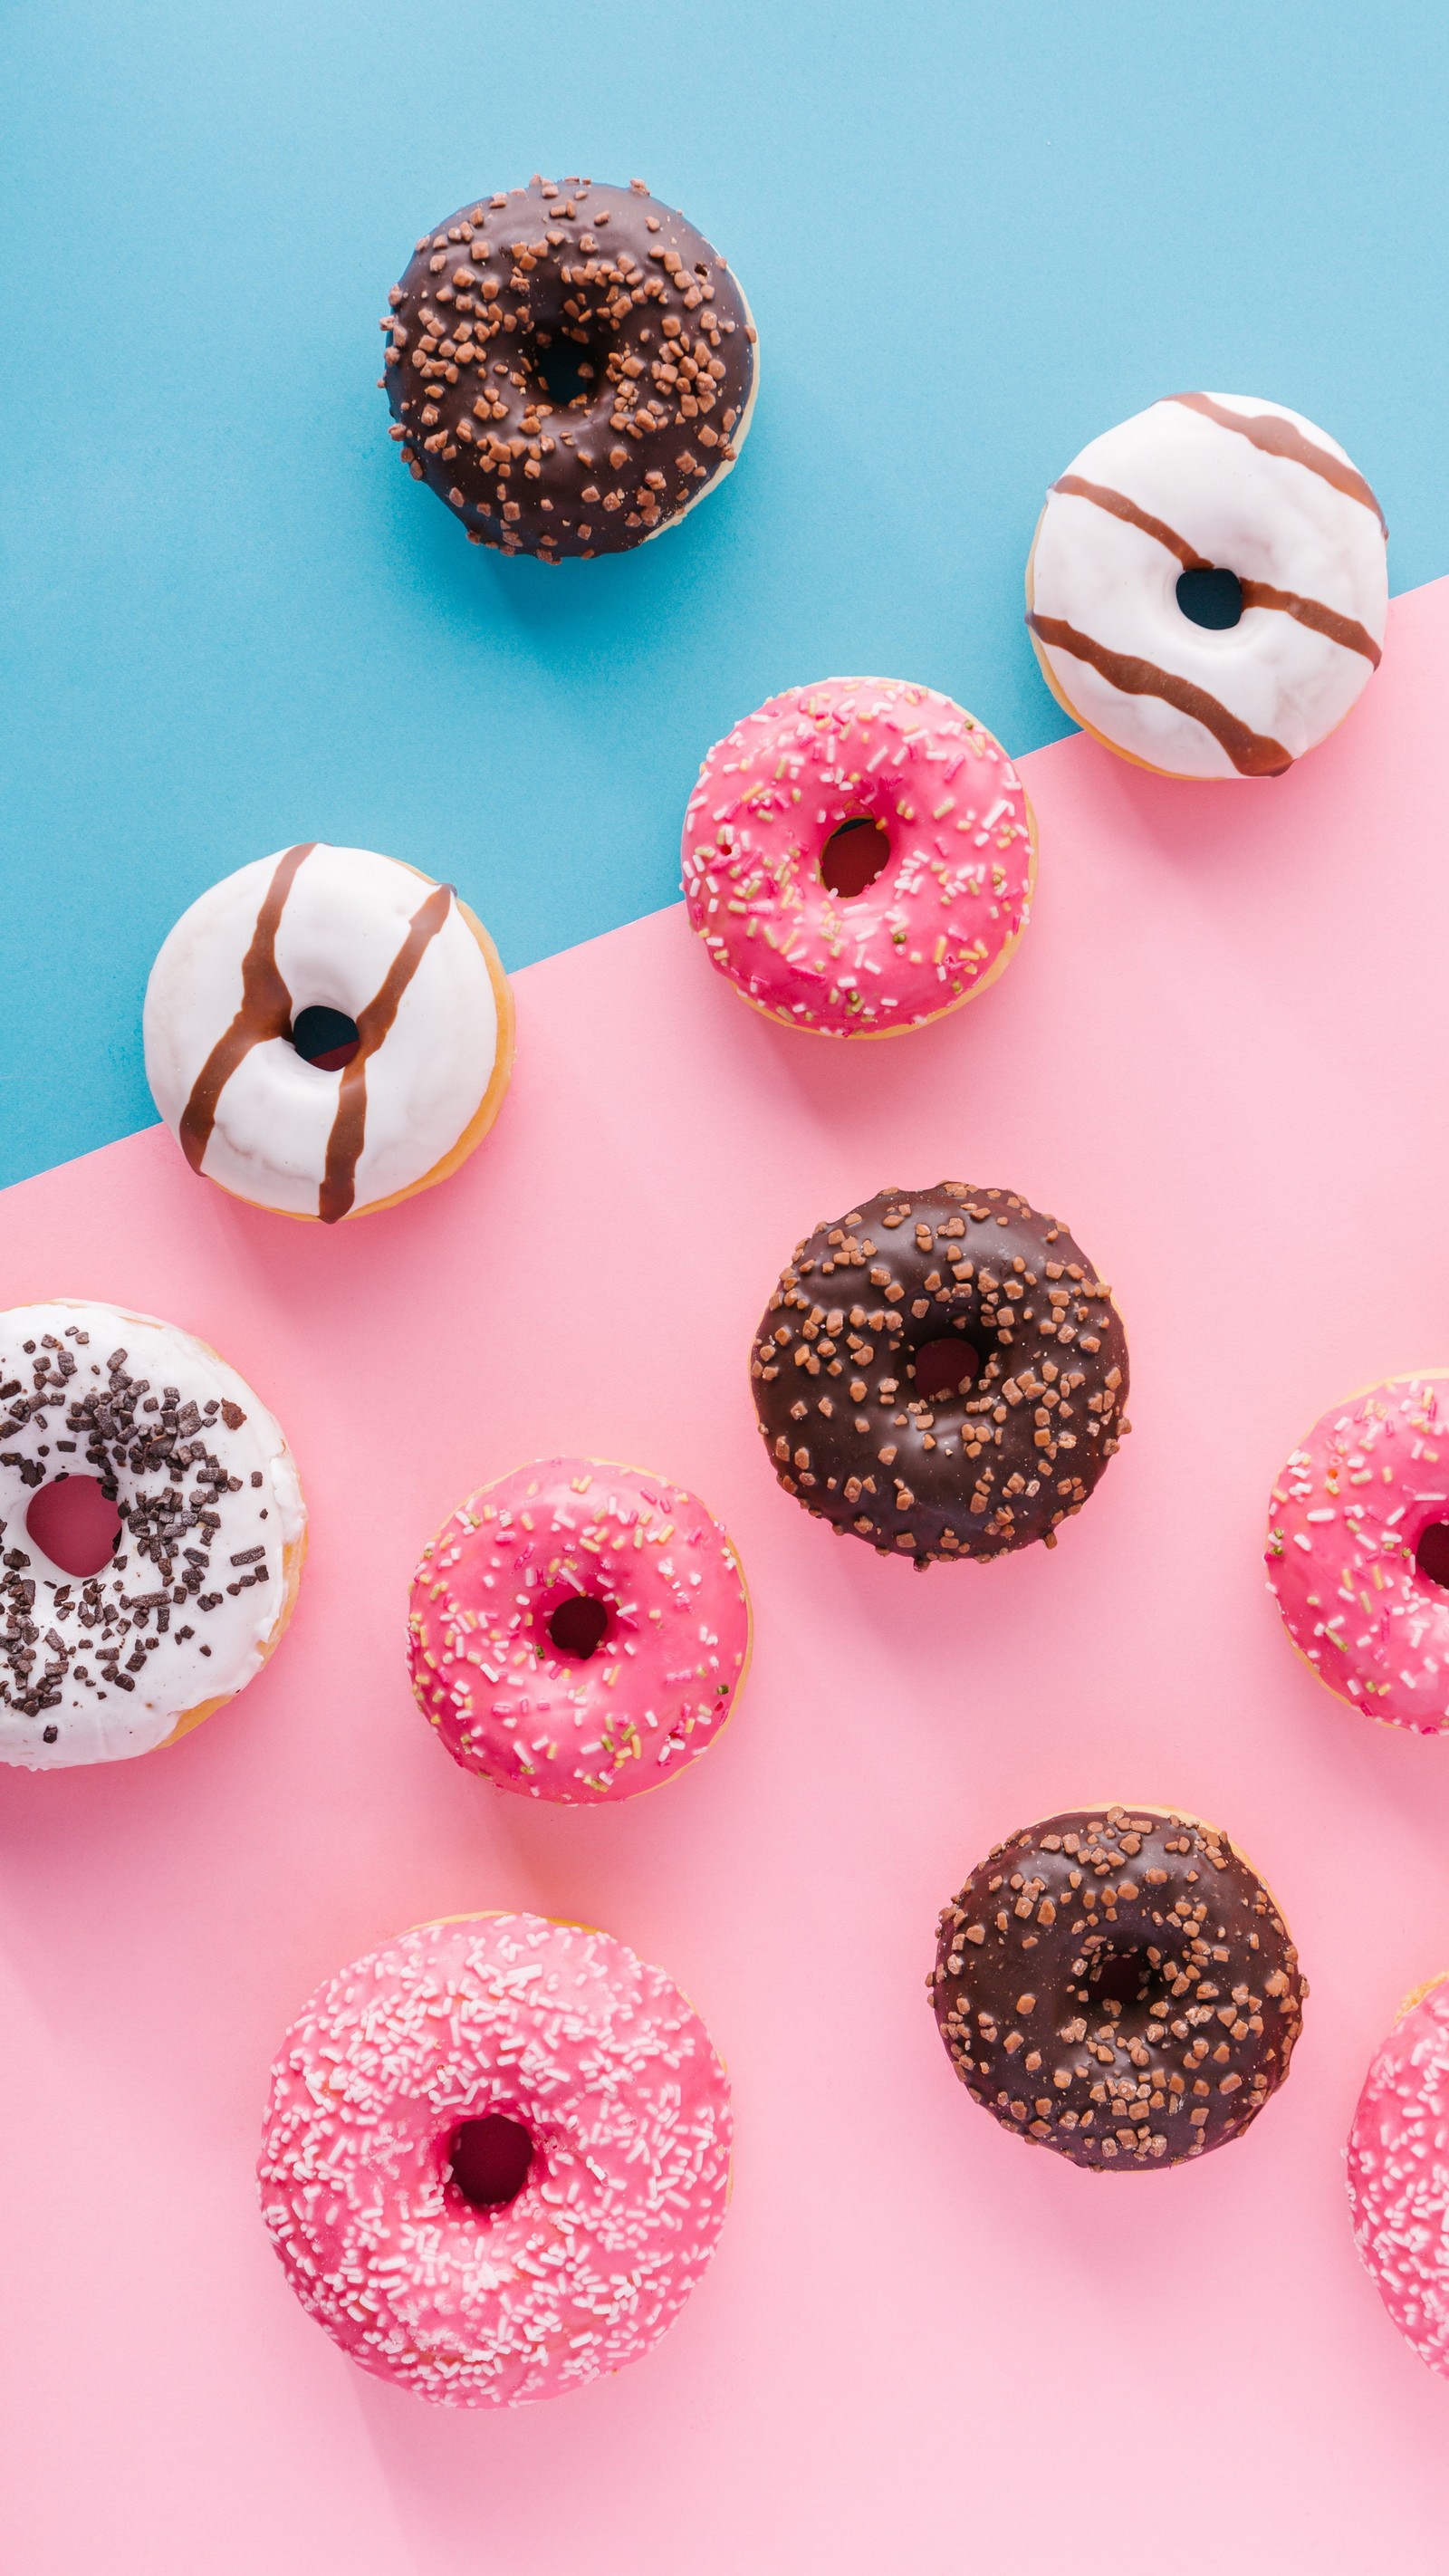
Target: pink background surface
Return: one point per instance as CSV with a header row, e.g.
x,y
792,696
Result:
x,y
1219,1056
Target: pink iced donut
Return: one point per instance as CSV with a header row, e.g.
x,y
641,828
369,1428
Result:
x,y
859,857
578,1631
1358,1551
496,2158
1398,2173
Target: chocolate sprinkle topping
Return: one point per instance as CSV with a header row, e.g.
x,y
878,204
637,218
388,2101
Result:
x,y
153,1452
1034,1352
1119,1985
568,367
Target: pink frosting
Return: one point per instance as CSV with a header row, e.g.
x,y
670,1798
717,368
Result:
x,y
1347,1516
547,1723
614,2078
1398,2176
932,930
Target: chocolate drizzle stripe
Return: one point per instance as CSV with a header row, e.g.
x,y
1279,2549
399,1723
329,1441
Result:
x,y
1281,438
1312,612
1253,755
1256,594
1121,508
349,1125
265,1012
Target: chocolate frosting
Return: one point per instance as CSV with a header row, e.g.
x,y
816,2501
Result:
x,y
975,1474
1118,1984
621,306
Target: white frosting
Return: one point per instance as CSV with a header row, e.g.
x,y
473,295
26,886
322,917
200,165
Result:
x,y
345,918
179,1537
1268,518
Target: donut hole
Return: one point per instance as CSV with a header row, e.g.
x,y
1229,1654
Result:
x,y
325,1037
1431,1556
856,853
567,368
578,1626
1128,1986
488,2161
75,1524
1210,596
945,1367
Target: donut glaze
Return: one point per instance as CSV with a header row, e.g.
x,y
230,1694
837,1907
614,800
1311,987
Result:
x,y
1005,1456
1117,1984
643,315
356,933
597,2057
212,1534
1200,482
1398,2174
649,1680
932,930
1347,1549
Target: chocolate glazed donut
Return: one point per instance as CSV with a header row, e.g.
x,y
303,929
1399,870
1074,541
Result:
x,y
941,1373
570,368
1118,1984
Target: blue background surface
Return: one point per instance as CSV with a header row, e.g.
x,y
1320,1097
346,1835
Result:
x,y
972,236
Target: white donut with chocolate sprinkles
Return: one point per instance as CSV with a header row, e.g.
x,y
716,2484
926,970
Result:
x,y
327,1031
942,1374
171,1501
1208,587
1118,1984
569,367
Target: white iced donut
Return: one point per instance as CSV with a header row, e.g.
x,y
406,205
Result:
x,y
1205,483
212,1532
367,941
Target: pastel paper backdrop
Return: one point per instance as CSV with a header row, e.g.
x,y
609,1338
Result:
x,y
974,233
923,2346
